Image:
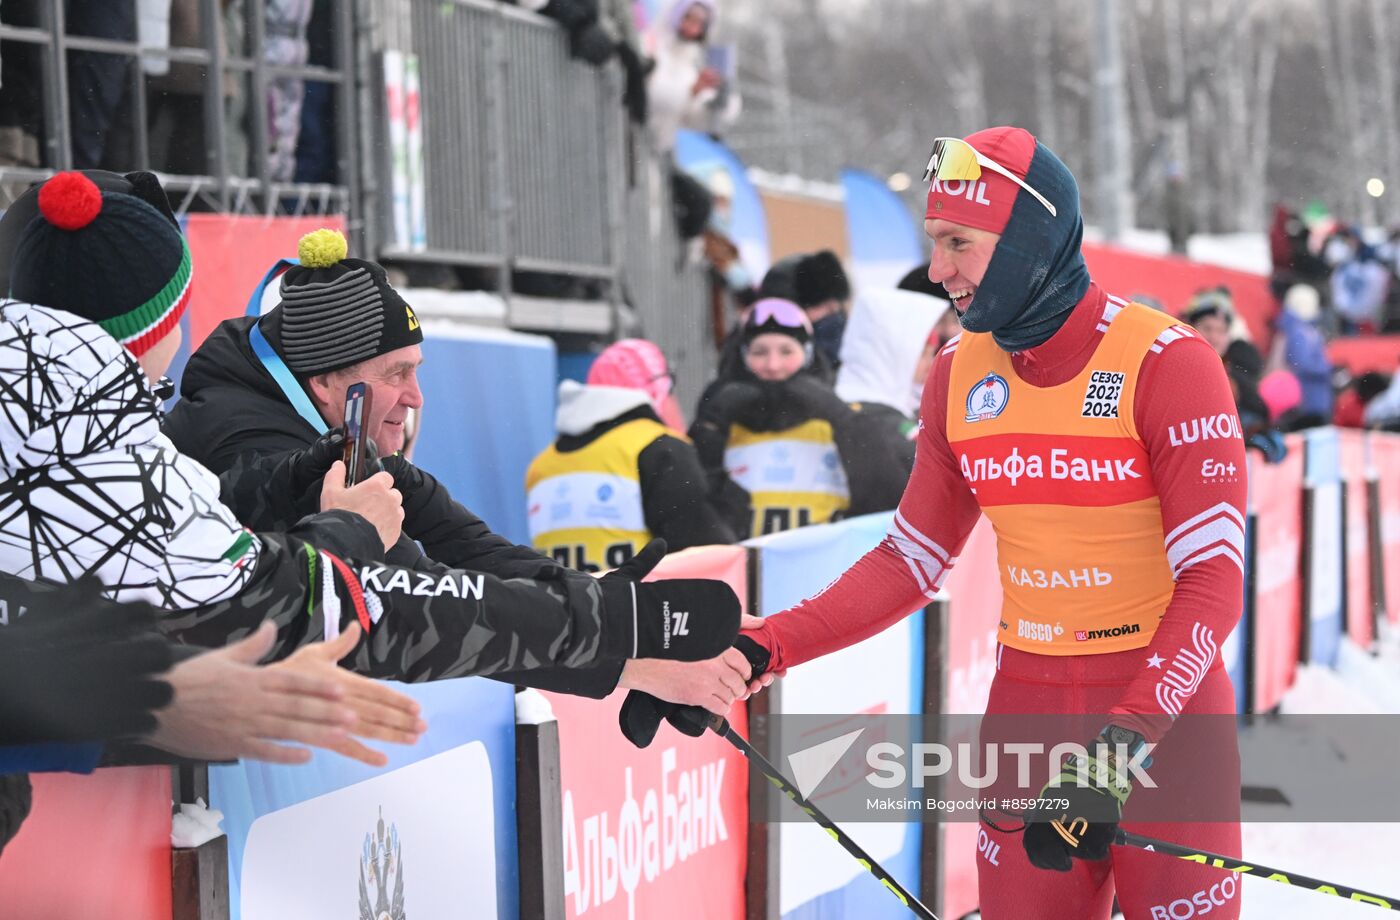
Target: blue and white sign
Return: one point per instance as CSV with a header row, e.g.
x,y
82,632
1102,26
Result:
x,y
883,674
1326,567
303,839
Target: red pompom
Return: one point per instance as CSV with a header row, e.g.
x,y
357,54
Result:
x,y
70,201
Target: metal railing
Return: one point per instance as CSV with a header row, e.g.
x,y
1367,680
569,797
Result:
x,y
222,185
527,160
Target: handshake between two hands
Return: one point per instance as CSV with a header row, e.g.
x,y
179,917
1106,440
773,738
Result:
x,y
692,695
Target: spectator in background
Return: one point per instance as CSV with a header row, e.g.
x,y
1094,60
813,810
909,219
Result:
x,y
1359,285
918,281
21,89
98,83
285,44
178,140
823,291
881,356
1301,349
1211,313
768,434
1176,208
316,153
683,90
1383,410
628,478
1356,398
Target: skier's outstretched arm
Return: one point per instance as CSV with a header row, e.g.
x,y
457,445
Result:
x,y
434,625
907,568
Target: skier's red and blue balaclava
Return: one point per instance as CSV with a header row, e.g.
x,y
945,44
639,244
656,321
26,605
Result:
x,y
1037,273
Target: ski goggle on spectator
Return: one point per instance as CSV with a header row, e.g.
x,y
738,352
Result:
x,y
781,312
954,159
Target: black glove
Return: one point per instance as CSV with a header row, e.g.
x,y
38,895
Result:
x,y
1269,443
726,403
1089,794
641,713
682,619
98,663
815,399
309,467
634,94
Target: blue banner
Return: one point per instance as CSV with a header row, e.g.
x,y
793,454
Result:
x,y
304,839
882,674
1322,475
488,410
885,241
738,210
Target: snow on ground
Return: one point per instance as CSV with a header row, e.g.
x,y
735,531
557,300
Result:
x,y
1366,856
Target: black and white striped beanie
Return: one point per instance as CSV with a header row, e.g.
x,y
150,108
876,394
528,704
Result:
x,y
336,312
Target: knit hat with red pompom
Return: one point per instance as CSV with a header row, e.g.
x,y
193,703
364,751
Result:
x,y
107,257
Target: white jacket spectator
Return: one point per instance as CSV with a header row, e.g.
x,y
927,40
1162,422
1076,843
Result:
x,y
683,91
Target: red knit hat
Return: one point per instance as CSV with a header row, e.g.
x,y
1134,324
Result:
x,y
985,203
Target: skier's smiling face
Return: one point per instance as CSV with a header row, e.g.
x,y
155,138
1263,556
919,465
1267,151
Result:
x,y
392,378
960,257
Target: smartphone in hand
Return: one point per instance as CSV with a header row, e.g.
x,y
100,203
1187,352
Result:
x,y
357,404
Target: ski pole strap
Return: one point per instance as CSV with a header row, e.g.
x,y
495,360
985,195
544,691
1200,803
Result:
x,y
1230,864
721,727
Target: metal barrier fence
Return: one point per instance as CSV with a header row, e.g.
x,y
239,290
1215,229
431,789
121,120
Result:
x,y
232,46
669,291
527,163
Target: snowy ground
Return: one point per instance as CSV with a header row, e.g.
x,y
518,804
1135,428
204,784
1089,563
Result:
x,y
1364,855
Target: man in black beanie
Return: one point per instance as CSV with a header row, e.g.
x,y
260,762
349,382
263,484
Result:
x,y
822,290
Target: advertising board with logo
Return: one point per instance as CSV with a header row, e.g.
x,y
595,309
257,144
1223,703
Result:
x,y
1323,532
1355,457
974,595
432,834
662,830
883,674
93,846
1276,498
1385,457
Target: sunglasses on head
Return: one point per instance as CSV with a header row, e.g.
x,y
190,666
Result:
x,y
954,159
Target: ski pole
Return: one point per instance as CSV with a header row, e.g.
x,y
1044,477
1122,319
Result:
x,y
1230,864
722,728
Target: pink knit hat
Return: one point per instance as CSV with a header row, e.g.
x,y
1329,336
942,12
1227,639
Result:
x,y
637,364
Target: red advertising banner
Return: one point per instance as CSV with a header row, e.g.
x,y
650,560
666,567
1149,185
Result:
x,y
1362,353
93,846
660,832
1385,457
1171,280
1276,497
231,254
973,590
1357,523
